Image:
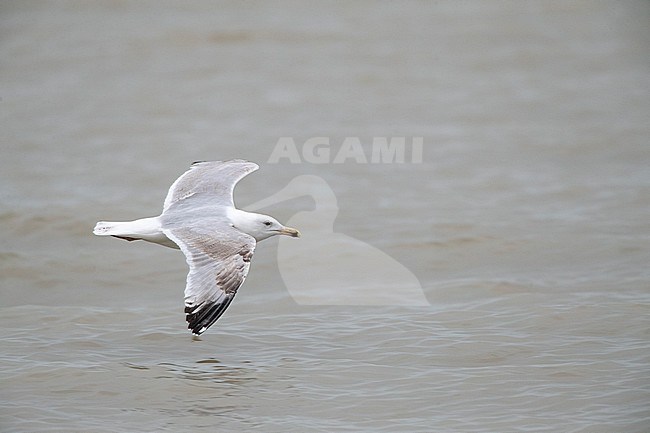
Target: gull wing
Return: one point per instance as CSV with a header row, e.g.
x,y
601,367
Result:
x,y
216,178
219,260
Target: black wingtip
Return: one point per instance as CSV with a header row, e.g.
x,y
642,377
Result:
x,y
199,321
194,322
196,163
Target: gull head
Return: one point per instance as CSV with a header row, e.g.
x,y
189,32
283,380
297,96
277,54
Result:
x,y
261,226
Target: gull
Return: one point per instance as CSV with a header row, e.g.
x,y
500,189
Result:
x,y
199,218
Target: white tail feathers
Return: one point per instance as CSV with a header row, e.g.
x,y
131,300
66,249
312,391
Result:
x,y
147,229
107,228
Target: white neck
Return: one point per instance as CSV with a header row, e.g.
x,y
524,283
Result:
x,y
249,223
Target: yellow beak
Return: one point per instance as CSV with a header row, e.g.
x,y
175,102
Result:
x,y
290,232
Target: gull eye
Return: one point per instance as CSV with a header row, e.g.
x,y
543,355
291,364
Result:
x,y
267,223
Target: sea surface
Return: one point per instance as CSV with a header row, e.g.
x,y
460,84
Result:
x,y
503,281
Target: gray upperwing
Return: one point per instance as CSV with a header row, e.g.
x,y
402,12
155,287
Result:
x,y
219,261
216,178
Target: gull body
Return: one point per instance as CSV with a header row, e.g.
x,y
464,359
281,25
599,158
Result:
x,y
151,229
199,218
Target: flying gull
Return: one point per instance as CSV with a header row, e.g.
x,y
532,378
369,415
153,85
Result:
x,y
218,240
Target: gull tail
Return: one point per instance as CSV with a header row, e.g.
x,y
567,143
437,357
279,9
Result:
x,y
119,229
147,229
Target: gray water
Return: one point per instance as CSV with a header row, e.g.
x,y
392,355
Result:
x,y
526,224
